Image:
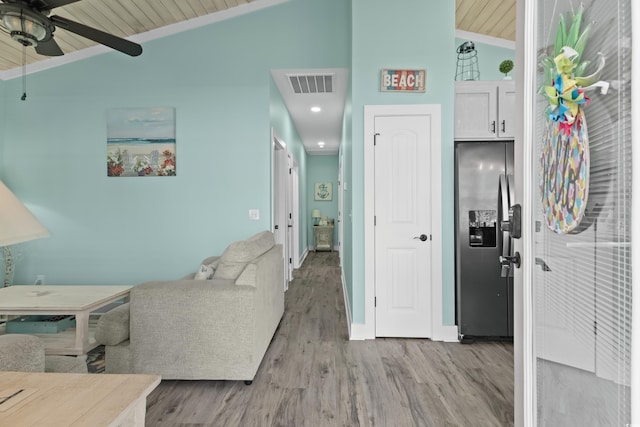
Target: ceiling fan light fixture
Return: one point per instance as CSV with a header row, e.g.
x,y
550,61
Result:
x,y
24,28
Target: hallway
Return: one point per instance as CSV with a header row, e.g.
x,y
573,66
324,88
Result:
x,y
313,376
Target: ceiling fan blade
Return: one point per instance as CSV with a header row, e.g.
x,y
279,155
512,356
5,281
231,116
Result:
x,y
49,4
49,48
114,42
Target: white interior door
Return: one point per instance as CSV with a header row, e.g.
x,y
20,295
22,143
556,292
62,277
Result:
x,y
340,206
289,218
280,180
295,211
403,226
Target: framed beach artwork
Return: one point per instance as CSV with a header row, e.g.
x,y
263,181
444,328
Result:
x,y
141,141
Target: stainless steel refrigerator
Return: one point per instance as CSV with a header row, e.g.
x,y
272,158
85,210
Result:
x,y
483,194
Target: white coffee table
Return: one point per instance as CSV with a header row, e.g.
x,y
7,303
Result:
x,y
78,301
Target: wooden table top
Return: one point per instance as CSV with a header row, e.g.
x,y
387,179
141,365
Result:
x,y
51,399
73,298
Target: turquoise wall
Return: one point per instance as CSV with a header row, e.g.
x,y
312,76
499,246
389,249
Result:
x,y
322,169
489,59
126,230
402,34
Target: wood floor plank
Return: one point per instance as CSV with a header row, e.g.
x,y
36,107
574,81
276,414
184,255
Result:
x,y
312,375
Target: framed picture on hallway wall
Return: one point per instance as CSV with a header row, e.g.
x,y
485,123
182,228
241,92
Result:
x,y
323,191
141,141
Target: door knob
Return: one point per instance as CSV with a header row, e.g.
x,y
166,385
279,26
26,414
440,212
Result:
x,y
422,237
507,260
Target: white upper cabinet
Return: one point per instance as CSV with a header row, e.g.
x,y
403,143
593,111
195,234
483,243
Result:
x,y
485,110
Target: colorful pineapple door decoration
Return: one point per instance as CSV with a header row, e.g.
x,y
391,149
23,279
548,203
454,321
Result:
x,y
564,162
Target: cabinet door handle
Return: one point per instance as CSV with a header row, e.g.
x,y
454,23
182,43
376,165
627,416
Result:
x,y
493,126
504,126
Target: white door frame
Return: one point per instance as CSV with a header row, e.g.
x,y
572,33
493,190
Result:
x,y
367,330
524,355
340,206
295,212
279,185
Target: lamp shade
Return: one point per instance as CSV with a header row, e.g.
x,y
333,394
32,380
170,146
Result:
x,y
17,223
315,213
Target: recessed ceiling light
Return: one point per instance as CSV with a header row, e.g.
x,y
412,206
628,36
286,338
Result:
x,y
321,144
316,109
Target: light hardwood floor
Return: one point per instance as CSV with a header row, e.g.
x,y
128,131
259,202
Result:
x,y
313,376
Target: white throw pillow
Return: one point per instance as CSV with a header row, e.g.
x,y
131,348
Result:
x,y
205,272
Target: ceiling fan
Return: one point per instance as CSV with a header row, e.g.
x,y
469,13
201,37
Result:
x,y
28,22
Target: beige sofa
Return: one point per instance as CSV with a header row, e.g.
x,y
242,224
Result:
x,y
215,328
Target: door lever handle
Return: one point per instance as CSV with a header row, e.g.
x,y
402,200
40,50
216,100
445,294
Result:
x,y
542,264
422,237
507,260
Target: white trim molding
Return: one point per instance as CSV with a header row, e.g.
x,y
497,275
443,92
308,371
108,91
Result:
x,y
525,403
439,330
481,38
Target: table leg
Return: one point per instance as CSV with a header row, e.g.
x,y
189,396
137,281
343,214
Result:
x,y
82,333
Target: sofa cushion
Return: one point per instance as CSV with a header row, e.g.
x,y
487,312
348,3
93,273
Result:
x,y
65,364
113,326
24,353
235,258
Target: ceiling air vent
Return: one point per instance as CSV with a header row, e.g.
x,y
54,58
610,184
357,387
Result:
x,y
311,83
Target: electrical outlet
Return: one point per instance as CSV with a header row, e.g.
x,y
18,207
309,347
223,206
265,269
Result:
x,y
39,279
254,214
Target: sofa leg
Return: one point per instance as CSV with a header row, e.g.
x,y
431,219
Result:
x,y
248,382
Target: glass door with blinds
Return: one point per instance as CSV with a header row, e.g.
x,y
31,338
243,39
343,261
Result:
x,y
582,213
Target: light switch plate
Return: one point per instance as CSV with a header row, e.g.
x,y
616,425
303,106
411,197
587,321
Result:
x,y
254,214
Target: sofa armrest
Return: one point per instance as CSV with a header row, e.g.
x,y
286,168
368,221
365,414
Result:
x,y
190,323
113,326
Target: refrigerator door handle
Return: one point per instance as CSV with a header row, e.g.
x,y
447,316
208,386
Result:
x,y
503,212
510,187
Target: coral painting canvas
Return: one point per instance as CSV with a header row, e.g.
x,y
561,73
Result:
x,y
141,142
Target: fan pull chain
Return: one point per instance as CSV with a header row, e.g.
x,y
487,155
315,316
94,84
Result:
x,y
24,73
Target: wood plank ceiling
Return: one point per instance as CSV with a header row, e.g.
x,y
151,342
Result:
x,y
129,17
495,18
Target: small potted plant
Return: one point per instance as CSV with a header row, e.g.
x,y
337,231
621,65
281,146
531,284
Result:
x,y
505,68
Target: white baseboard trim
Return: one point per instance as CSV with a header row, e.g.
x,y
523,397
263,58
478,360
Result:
x,y
357,331
360,332
347,306
445,333
303,257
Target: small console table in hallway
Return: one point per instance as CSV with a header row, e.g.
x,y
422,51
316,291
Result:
x,y
323,237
